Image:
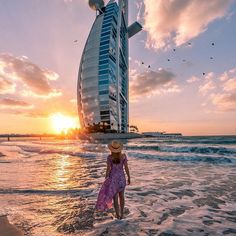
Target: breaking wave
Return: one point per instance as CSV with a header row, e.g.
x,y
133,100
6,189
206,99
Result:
x,y
186,149
181,158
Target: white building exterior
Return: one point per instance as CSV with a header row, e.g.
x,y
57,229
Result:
x,y
102,89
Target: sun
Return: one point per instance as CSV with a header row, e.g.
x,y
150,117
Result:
x,y
62,123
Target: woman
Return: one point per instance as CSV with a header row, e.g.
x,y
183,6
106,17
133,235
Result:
x,y
115,182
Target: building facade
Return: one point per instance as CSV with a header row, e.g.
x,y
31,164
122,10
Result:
x,y
102,89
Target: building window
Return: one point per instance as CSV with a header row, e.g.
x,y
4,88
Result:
x,y
104,43
105,34
104,47
103,72
103,57
104,103
104,52
105,117
106,37
103,87
103,67
103,92
103,62
104,112
103,82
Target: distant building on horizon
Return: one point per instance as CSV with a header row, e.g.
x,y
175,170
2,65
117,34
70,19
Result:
x,y
102,89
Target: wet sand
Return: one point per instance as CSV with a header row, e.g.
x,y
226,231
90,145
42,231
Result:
x,y
7,229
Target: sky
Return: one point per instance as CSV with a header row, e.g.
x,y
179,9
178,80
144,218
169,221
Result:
x,y
182,65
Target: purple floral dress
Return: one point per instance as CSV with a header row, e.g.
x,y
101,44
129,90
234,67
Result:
x,y
112,185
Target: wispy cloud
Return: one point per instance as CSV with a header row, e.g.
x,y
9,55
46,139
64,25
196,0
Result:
x,y
220,91
53,93
169,22
36,80
6,86
13,103
224,101
193,79
230,85
152,82
139,6
208,84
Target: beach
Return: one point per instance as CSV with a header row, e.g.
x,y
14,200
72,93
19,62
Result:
x,y
179,186
7,229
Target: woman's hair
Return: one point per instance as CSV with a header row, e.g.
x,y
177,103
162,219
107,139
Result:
x,y
116,157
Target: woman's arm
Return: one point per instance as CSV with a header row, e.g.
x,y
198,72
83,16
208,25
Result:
x,y
127,171
108,169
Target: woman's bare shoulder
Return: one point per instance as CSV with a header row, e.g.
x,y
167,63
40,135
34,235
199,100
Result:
x,y
123,156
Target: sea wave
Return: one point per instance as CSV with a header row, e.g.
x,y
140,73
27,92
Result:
x,y
186,149
46,192
184,158
63,152
202,150
221,140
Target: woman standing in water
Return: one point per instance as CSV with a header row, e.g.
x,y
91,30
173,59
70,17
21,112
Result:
x,y
115,182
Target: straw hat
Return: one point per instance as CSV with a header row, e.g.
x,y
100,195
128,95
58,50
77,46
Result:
x,y
115,146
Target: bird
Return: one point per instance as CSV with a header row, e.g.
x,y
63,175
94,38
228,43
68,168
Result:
x,y
203,73
149,66
75,41
174,49
189,43
168,59
212,44
211,58
142,63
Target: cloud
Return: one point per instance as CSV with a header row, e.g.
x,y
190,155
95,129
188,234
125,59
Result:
x,y
6,86
152,82
206,87
224,101
193,79
35,79
139,6
230,85
224,76
53,93
208,84
170,22
220,91
37,113
27,112
12,104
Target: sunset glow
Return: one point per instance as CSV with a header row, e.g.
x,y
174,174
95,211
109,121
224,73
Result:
x,y
182,70
62,123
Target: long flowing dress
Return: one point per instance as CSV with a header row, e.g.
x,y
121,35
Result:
x,y
112,185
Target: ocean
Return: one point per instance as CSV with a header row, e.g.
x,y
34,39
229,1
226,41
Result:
x,y
179,186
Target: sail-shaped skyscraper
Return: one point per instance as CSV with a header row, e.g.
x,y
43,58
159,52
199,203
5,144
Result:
x,y
102,89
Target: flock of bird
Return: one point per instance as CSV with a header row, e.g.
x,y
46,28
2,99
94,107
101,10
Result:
x,y
174,49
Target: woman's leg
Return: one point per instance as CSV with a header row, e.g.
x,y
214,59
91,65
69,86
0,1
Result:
x,y
122,203
116,205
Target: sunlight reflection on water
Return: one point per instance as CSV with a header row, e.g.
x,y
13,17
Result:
x,y
62,172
